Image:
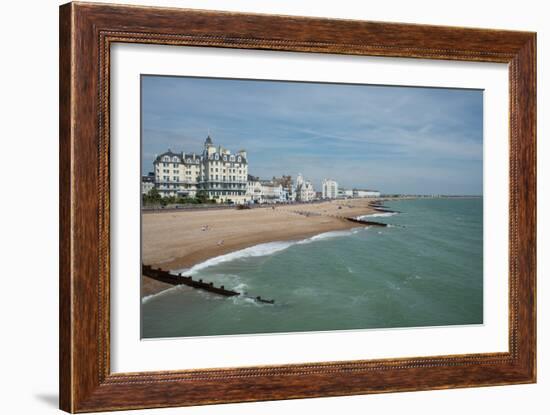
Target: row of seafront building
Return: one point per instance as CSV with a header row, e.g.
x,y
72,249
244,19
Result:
x,y
224,177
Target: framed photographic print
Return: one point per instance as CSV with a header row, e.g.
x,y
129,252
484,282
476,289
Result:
x,y
260,207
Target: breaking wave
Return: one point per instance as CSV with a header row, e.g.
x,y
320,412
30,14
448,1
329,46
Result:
x,y
377,215
149,297
264,249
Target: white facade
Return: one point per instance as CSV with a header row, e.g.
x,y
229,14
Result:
x,y
147,184
177,174
271,192
253,190
345,193
225,174
264,191
330,189
216,172
366,193
304,190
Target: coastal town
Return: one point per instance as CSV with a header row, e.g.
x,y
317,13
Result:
x,y
219,176
205,196
204,183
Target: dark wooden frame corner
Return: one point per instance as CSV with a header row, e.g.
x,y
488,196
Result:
x,y
86,33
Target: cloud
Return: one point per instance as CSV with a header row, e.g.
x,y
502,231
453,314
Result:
x,y
396,139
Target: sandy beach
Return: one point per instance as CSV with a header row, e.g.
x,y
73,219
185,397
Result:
x,y
180,239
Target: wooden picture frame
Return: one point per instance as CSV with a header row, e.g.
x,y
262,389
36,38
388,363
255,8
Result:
x,y
86,33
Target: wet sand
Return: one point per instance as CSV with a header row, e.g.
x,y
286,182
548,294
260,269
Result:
x,y
176,239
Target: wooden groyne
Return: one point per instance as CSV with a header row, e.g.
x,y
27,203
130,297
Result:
x,y
164,276
168,278
379,207
367,222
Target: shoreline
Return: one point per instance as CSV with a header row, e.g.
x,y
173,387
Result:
x,y
213,207
179,241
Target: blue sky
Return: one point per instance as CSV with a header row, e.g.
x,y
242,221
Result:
x,y
394,139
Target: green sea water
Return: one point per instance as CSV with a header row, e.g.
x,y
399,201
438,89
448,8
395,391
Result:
x,y
424,270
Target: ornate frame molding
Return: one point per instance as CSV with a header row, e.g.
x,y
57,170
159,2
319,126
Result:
x,y
86,33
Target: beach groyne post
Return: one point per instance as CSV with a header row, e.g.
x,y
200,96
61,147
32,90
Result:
x,y
166,277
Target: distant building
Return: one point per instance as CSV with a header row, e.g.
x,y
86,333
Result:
x,y
288,187
271,192
304,190
225,174
216,172
330,189
178,174
253,189
147,183
345,193
365,193
265,191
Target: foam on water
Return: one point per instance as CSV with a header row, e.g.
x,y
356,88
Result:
x,y
254,251
341,281
243,300
328,235
376,215
147,298
264,249
241,287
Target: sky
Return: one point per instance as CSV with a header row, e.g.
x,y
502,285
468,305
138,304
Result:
x,y
393,139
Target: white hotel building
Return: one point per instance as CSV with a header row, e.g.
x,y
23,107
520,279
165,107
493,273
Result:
x,y
365,193
265,191
330,189
217,172
224,177
304,190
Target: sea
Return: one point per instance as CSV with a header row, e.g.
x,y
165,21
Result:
x,y
424,269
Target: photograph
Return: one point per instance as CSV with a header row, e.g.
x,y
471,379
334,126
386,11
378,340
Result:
x,y
273,206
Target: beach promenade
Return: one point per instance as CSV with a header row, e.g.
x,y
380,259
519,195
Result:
x,y
180,239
